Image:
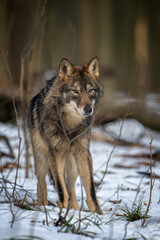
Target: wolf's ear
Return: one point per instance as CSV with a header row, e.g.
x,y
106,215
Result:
x,y
93,67
65,68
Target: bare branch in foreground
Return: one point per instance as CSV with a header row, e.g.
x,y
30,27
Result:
x,y
16,113
151,186
10,154
109,158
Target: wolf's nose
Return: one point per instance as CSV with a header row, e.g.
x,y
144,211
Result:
x,y
87,109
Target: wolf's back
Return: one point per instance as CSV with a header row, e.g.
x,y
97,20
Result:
x,y
37,105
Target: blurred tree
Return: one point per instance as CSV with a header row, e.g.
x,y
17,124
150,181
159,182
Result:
x,y
140,85
125,35
153,14
21,29
124,22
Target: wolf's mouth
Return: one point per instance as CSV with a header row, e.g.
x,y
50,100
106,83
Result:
x,y
77,111
87,114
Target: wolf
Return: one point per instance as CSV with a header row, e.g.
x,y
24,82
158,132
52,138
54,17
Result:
x,y
60,119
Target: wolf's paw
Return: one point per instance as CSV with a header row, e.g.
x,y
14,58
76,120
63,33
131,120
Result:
x,y
99,211
42,203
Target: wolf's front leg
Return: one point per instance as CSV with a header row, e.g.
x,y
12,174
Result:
x,y
71,174
57,164
85,167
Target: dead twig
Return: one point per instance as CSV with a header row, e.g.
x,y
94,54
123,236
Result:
x,y
151,186
125,230
26,54
110,155
5,139
79,224
4,53
10,154
13,215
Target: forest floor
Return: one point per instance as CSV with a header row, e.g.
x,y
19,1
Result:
x,y
130,169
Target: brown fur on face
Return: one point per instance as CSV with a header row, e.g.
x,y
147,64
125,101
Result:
x,y
60,119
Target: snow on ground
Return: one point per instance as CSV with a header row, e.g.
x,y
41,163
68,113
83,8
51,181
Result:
x,y
127,181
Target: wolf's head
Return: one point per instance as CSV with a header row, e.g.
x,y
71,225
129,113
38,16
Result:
x,y
79,86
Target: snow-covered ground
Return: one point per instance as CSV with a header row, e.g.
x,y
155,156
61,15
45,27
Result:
x,y
126,183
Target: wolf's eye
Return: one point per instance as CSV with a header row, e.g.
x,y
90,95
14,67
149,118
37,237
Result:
x,y
74,91
91,90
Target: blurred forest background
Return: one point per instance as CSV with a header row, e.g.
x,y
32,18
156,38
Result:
x,y
125,35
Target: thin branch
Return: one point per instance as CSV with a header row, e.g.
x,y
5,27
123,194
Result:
x,y
125,230
27,53
10,154
4,53
109,158
13,215
79,223
151,186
